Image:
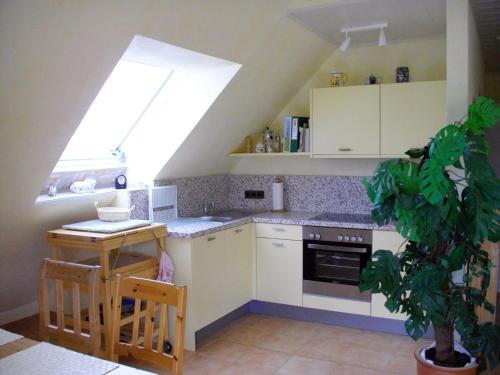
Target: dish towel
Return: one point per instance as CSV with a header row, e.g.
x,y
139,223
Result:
x,y
166,268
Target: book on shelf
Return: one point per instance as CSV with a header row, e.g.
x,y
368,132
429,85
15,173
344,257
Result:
x,y
287,133
307,140
294,133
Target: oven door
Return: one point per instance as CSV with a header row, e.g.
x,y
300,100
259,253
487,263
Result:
x,y
334,269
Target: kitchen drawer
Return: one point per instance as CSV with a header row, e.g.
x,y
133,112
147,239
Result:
x,y
336,304
281,231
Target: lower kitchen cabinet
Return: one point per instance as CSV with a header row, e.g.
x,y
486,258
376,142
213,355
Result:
x,y
279,271
385,240
240,256
218,270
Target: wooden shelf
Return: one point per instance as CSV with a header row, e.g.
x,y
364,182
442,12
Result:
x,y
269,154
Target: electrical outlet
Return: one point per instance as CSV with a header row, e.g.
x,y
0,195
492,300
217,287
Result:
x,y
254,194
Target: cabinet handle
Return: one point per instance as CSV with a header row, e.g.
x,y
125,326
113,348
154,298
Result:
x,y
238,230
211,238
345,149
278,244
278,229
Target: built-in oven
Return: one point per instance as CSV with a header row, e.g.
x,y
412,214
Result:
x,y
333,259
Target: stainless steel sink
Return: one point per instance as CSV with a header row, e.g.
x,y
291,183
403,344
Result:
x,y
217,219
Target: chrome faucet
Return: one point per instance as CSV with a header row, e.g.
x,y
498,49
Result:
x,y
208,208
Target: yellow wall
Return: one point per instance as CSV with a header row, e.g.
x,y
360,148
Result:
x,y
426,61
55,56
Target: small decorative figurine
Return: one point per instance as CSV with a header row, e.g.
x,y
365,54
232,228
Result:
x,y
402,74
52,190
81,187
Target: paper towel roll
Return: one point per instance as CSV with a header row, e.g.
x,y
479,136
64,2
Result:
x,y
277,196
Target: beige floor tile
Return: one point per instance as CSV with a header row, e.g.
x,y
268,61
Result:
x,y
244,335
354,370
301,366
261,360
223,350
202,365
282,343
324,348
402,364
371,358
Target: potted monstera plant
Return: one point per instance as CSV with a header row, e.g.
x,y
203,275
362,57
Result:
x,y
445,201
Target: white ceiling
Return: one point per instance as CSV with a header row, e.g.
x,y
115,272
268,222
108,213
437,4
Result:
x,y
407,19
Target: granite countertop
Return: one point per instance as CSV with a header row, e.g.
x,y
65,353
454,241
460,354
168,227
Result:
x,y
191,227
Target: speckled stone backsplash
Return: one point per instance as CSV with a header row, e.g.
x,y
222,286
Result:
x,y
343,194
194,192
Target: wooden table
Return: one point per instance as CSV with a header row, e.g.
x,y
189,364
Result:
x,y
25,343
16,346
106,246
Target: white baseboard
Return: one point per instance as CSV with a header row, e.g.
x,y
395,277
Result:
x,y
19,313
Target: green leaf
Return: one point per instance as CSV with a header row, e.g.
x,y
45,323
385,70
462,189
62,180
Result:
x,y
433,181
448,145
415,328
483,114
457,258
382,275
415,153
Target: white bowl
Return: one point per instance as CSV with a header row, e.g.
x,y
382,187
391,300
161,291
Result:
x,y
113,213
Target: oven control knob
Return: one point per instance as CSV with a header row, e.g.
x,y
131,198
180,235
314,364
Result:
x,y
311,236
346,238
340,238
317,236
360,239
353,238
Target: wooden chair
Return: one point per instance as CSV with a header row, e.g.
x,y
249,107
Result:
x,y
153,292
75,276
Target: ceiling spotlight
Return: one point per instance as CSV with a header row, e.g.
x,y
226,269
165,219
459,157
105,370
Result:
x,y
345,44
382,41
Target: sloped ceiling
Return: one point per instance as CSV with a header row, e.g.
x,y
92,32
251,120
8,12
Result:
x,y
56,55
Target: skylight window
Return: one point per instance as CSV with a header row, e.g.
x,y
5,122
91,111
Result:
x,y
121,104
153,98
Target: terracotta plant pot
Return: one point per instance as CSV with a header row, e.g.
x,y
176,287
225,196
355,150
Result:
x,y
426,368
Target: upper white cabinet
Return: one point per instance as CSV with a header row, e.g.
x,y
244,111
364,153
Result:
x,y
346,121
377,120
410,114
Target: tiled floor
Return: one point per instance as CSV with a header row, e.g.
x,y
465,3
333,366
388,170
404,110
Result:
x,y
259,345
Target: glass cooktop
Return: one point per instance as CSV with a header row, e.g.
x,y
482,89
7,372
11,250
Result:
x,y
346,218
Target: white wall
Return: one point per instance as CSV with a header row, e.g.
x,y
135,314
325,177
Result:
x,y
55,56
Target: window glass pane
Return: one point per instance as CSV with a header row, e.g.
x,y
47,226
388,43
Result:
x,y
120,103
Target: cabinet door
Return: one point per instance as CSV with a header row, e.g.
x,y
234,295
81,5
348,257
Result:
x,y
239,265
411,113
279,271
346,121
209,282
385,240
